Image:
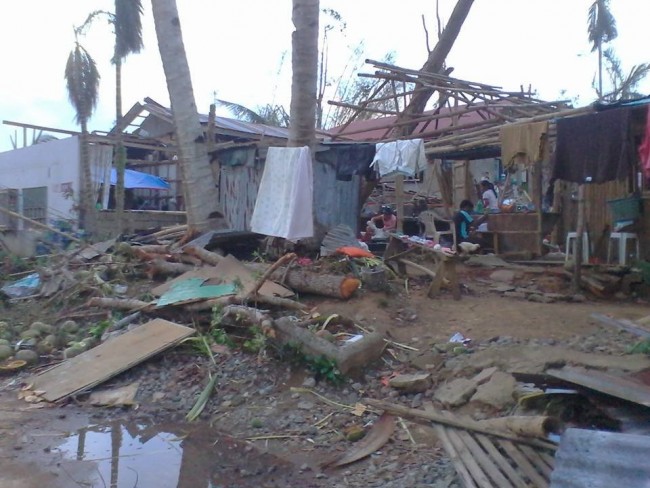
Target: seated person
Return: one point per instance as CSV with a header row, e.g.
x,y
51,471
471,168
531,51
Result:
x,y
490,201
386,222
466,224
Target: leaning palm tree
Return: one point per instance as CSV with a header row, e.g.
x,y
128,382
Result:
x,y
127,22
199,188
601,28
82,82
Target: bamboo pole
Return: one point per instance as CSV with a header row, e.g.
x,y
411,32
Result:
x,y
40,225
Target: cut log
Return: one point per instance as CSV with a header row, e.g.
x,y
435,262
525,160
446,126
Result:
x,y
129,304
312,282
526,426
204,255
159,268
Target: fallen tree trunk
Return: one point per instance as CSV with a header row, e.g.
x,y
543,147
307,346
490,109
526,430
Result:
x,y
160,268
308,281
526,426
129,304
208,257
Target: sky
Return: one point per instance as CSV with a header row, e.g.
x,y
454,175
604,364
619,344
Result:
x,y
240,51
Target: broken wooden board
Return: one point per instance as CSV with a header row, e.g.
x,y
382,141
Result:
x,y
623,324
96,249
107,360
617,386
228,270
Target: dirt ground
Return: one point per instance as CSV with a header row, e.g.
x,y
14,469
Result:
x,y
258,430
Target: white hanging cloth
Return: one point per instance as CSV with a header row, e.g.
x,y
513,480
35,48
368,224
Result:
x,y
283,207
400,157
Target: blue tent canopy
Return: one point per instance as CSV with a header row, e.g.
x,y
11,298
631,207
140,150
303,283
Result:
x,y
136,179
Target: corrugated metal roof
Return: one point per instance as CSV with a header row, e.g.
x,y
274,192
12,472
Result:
x,y
247,127
597,459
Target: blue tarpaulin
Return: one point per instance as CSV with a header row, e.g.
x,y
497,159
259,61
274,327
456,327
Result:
x,y
136,179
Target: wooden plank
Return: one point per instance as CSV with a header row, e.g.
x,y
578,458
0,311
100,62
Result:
x,y
108,359
461,469
617,386
502,462
468,459
484,460
524,464
538,461
623,324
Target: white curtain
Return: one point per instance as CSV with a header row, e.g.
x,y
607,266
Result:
x,y
101,160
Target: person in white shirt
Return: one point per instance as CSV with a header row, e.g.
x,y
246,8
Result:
x,y
489,196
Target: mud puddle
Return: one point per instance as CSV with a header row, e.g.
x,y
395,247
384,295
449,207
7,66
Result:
x,y
170,456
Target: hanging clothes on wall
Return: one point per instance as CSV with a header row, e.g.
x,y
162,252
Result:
x,y
523,143
285,198
644,148
400,157
348,159
594,148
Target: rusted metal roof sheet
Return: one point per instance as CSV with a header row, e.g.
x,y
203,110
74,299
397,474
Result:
x,y
597,459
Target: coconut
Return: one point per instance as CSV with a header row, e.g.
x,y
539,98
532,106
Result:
x,y
31,357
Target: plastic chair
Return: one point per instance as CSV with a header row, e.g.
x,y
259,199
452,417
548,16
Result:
x,y
433,228
619,241
571,239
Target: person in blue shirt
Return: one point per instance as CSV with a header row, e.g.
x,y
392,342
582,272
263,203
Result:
x,y
466,224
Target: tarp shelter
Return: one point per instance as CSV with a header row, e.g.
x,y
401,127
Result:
x,y
136,179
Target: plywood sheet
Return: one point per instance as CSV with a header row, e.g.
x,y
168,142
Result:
x,y
108,359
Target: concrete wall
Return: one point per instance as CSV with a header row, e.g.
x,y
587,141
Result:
x,y
54,165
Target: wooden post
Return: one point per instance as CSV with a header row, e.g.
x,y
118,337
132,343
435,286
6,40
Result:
x,y
399,201
580,229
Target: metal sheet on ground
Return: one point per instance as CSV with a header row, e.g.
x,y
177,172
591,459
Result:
x,y
108,359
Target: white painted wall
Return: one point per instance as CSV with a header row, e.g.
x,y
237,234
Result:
x,y
53,164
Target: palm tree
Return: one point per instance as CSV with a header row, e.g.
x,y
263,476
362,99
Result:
x,y
127,25
304,63
601,28
623,86
128,40
200,192
82,82
269,114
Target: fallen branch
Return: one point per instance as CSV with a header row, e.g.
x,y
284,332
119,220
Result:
x,y
458,423
284,259
130,304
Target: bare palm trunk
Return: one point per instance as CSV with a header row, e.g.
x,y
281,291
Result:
x,y
86,204
600,71
119,156
200,193
304,41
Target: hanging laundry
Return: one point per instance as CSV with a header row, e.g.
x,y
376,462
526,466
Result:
x,y
348,159
644,148
400,157
523,142
285,198
594,148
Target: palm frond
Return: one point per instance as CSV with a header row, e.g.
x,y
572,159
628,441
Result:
x,y
128,28
242,113
601,24
82,81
